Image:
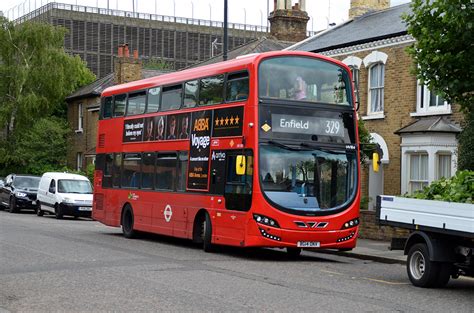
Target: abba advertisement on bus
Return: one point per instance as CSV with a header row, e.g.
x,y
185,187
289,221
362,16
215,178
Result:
x,y
197,127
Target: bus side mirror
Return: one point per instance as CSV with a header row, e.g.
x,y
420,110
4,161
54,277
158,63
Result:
x,y
375,162
240,165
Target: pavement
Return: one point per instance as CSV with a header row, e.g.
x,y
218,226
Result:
x,y
374,250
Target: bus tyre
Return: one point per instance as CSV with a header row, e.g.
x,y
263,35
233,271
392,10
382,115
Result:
x,y
207,233
127,223
58,212
421,271
293,252
38,210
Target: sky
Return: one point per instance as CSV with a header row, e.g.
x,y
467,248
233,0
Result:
x,y
253,12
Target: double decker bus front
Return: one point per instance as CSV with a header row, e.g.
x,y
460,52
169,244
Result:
x,y
307,151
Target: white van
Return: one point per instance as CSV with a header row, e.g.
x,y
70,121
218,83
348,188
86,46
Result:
x,y
64,194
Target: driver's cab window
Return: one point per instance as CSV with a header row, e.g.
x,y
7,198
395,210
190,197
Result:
x,y
52,186
238,186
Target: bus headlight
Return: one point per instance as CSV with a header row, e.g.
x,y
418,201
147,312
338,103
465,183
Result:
x,y
262,219
352,223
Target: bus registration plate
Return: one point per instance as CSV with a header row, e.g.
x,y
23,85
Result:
x,y
308,244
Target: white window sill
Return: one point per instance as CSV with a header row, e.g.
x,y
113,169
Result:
x,y
79,131
416,114
375,116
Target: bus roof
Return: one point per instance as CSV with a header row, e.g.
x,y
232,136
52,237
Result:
x,y
237,64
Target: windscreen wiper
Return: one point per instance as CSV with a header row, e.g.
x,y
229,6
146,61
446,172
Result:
x,y
313,147
280,145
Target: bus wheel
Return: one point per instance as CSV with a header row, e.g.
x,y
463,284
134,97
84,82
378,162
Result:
x,y
207,233
293,252
127,222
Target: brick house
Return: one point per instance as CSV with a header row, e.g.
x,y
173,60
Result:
x,y
83,107
415,128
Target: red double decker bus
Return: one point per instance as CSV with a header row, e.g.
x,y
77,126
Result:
x,y
257,151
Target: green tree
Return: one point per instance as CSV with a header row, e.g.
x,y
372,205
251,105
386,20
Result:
x,y
35,77
444,33
40,148
36,74
466,144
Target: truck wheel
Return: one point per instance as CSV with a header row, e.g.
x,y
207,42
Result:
x,y
421,271
127,223
207,233
38,210
444,274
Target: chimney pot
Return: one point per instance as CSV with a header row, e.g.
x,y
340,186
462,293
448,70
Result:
x,y
126,51
135,54
120,51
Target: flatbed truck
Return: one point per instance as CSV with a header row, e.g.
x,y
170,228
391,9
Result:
x,y
441,241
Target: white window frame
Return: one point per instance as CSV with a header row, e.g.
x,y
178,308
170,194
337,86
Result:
x,y
434,144
79,161
375,58
354,64
423,93
425,182
440,154
80,118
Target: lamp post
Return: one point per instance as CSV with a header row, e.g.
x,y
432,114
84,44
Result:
x,y
224,55
192,10
174,9
245,17
210,12
261,18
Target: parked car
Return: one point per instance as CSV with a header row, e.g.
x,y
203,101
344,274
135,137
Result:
x,y
64,194
2,181
19,192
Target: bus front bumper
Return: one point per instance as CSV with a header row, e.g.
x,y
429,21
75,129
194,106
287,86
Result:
x,y
265,236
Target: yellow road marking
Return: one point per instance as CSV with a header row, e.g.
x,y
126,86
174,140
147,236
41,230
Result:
x,y
336,273
384,281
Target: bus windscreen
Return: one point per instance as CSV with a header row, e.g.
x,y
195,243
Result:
x,y
304,79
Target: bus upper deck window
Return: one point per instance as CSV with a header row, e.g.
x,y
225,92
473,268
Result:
x,y
153,101
237,88
171,97
190,94
119,105
136,103
211,90
107,107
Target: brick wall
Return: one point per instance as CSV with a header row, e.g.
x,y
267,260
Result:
x,y
84,141
369,229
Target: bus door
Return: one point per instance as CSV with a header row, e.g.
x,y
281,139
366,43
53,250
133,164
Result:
x,y
231,179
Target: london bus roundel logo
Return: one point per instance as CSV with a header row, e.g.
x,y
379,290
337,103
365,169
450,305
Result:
x,y
168,213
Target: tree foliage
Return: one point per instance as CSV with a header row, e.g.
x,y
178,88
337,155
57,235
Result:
x,y
466,144
459,188
444,33
38,149
36,75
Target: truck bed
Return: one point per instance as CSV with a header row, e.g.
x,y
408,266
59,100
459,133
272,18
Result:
x,y
436,216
